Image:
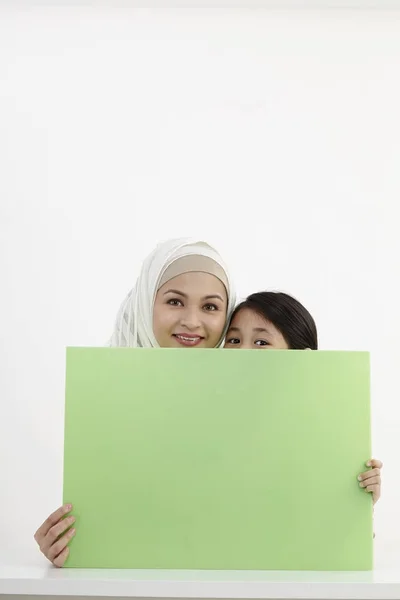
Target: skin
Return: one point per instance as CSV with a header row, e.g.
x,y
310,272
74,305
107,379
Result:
x,y
193,305
56,550
196,308
250,331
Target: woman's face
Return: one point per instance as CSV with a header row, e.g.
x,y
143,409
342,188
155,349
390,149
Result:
x,y
190,311
248,330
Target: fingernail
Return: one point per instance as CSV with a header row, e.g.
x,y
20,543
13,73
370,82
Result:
x,y
70,520
71,532
67,507
369,463
359,478
361,485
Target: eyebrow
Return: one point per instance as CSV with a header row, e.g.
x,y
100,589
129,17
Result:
x,y
175,292
256,329
209,297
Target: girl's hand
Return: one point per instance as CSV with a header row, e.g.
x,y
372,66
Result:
x,y
54,534
371,480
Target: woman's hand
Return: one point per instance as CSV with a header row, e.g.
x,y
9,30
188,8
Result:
x,y
54,534
371,480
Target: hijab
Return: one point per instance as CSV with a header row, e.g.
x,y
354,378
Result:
x,y
134,322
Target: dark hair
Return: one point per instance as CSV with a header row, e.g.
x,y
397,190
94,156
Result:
x,y
287,314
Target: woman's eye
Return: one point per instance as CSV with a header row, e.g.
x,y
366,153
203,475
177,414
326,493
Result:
x,y
211,307
261,343
174,302
233,341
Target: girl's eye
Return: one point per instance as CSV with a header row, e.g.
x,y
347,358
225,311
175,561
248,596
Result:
x,y
174,302
211,307
233,341
261,343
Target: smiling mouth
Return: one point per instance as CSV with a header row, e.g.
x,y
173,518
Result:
x,y
188,340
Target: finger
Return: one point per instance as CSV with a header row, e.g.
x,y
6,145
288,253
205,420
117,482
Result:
x,y
368,474
56,549
61,558
375,463
375,490
55,532
370,481
50,521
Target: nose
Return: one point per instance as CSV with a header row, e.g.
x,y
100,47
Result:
x,y
190,319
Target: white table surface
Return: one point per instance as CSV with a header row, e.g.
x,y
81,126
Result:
x,y
49,581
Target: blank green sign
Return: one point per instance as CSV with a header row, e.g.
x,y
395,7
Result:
x,y
218,459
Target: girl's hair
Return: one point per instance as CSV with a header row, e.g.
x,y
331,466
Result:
x,y
287,314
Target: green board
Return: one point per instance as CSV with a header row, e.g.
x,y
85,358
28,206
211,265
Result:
x,y
218,459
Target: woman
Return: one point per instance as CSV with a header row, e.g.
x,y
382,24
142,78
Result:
x,y
277,321
183,297
197,272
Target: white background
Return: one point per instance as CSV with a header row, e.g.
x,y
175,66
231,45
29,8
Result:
x,y
273,134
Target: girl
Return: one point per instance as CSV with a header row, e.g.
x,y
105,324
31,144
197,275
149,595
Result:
x,y
272,320
183,297
276,320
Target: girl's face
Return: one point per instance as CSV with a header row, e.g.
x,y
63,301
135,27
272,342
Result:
x,y
190,311
248,330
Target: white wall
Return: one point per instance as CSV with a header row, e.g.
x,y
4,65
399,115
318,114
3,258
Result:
x,y
275,135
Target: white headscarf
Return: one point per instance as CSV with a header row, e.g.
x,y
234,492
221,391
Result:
x,y
134,322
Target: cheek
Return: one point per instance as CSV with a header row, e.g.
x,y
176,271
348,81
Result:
x,y
280,344
227,346
216,325
160,319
